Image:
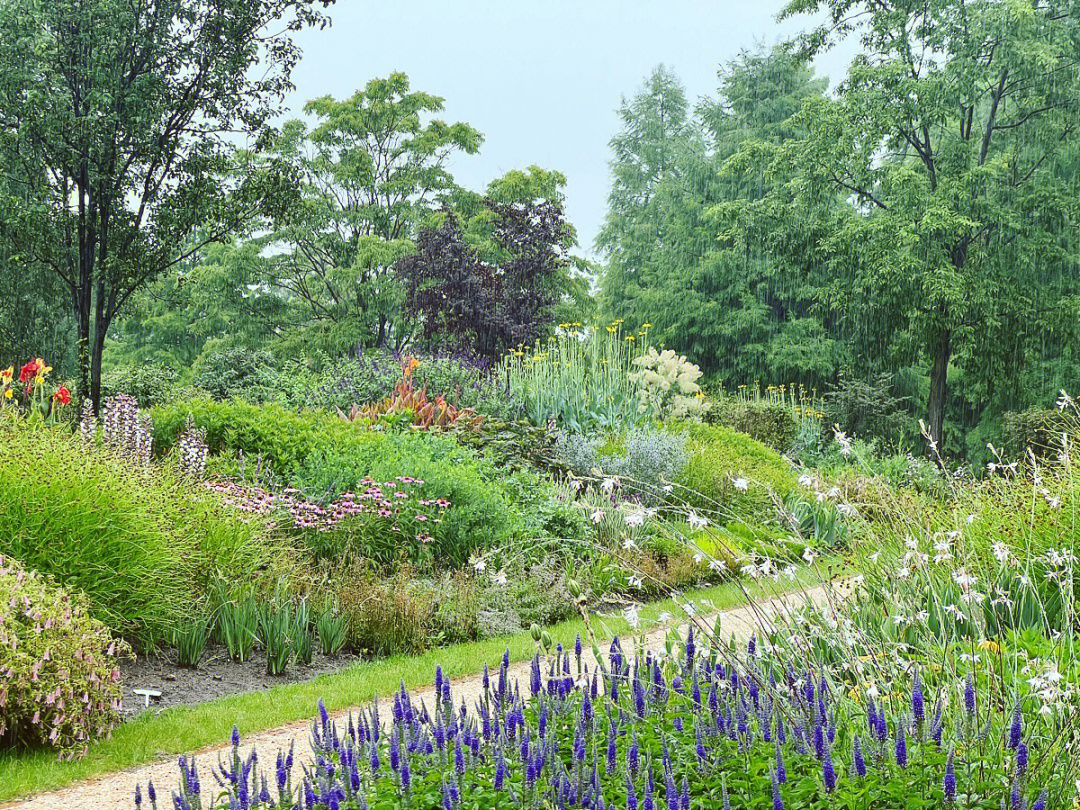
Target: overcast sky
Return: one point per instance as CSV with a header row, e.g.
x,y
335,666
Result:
x,y
541,79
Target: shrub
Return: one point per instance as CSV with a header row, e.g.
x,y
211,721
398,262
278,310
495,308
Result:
x,y
646,458
59,678
771,423
667,385
462,380
866,408
386,615
247,374
1037,428
732,473
325,457
138,540
150,383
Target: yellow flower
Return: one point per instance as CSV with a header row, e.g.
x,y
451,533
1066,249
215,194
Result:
x,y
990,646
8,394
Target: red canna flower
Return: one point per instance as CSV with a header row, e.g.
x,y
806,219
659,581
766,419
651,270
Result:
x,y
29,371
62,395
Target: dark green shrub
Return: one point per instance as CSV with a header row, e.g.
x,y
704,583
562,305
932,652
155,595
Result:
x,y
462,380
247,374
50,646
771,423
150,383
1037,428
866,409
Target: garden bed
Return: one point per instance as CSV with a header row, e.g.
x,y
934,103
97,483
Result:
x,y
218,676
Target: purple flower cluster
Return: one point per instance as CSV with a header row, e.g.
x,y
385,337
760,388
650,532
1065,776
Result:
x,y
644,732
394,501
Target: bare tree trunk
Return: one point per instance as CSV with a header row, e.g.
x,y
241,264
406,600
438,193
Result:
x,y
939,374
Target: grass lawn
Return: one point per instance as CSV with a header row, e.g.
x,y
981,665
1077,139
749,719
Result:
x,y
155,735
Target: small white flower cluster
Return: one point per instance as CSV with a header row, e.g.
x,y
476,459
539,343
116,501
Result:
x,y
125,429
842,440
87,422
192,450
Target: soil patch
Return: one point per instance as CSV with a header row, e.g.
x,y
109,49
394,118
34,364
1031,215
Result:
x,y
217,676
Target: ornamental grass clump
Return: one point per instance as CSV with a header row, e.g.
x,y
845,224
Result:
x,y
142,542
59,669
702,726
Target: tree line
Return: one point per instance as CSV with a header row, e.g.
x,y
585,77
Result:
x,y
910,230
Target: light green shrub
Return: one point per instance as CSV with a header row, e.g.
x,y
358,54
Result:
x,y
732,473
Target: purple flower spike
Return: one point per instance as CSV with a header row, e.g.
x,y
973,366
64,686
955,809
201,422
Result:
x,y
950,780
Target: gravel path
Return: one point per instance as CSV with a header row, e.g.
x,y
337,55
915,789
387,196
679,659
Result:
x,y
114,791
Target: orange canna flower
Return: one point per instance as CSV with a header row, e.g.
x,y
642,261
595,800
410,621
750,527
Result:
x,y
62,395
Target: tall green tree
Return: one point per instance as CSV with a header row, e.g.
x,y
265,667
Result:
x,y
122,112
740,310
372,168
957,248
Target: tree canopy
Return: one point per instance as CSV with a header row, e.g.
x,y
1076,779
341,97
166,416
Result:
x,y
119,114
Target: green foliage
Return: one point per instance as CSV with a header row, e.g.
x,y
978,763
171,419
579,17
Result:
x,y
719,457
277,632
331,625
243,373
938,196
868,409
324,456
236,622
1040,429
149,383
120,116
741,312
303,640
580,378
140,542
53,653
771,423
190,638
